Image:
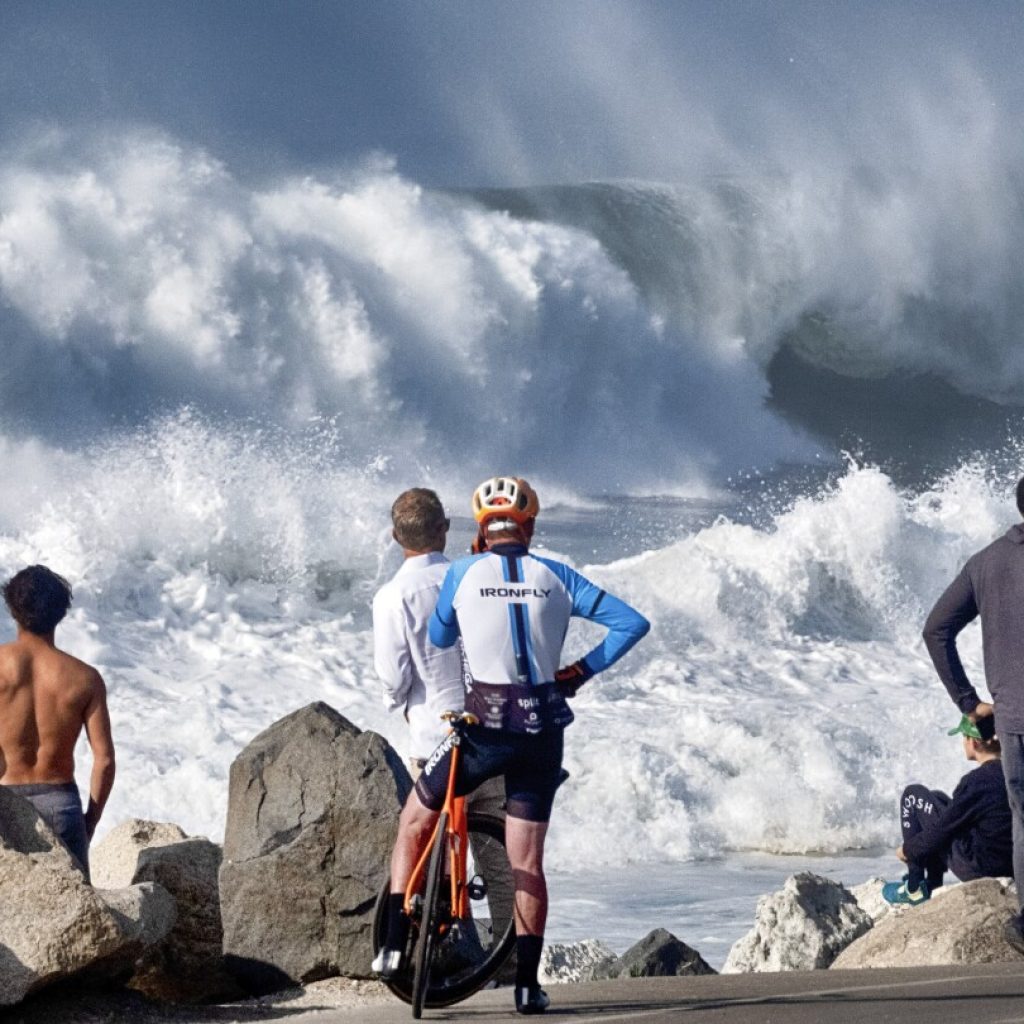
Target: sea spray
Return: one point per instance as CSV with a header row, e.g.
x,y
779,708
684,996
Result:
x,y
780,703
215,387
138,274
783,697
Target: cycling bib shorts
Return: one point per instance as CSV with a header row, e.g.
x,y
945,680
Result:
x,y
531,764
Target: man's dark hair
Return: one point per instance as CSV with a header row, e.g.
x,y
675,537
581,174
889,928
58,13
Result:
x,y
992,746
1020,495
419,519
37,599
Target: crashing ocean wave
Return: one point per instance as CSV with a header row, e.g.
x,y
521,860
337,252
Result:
x,y
213,389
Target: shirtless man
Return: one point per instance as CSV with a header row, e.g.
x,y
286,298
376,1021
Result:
x,y
46,698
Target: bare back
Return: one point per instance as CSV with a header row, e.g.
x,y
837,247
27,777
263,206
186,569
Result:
x,y
46,698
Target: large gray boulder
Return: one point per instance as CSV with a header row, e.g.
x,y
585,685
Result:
x,y
312,815
658,954
802,927
145,916
53,924
188,966
113,860
961,924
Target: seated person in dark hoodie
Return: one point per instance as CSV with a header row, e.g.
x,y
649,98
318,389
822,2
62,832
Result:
x,y
969,834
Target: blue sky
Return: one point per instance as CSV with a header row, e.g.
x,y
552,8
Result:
x,y
477,92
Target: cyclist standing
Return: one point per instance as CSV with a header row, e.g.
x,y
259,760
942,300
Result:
x,y
512,610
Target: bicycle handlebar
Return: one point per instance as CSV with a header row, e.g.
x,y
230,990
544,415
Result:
x,y
466,717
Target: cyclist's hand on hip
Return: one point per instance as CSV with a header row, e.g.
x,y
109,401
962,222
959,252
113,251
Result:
x,y
981,710
572,677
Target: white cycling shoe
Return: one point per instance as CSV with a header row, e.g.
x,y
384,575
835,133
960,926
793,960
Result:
x,y
387,963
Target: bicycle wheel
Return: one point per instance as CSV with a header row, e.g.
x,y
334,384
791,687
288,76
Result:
x,y
465,963
430,920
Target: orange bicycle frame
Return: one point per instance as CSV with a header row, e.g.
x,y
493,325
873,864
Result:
x,y
458,838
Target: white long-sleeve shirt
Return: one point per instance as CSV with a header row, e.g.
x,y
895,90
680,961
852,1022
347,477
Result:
x,y
419,678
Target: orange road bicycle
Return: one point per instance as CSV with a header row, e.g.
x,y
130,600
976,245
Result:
x,y
459,899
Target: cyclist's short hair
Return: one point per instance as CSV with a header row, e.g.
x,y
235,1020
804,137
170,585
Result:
x,y
37,598
419,520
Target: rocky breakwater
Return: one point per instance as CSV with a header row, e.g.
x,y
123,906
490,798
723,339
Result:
x,y
53,924
312,814
960,924
658,954
802,927
188,965
814,923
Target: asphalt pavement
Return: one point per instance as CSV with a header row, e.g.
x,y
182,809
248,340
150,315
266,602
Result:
x,y
987,994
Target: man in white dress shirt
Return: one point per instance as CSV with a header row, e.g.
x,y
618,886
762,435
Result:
x,y
419,678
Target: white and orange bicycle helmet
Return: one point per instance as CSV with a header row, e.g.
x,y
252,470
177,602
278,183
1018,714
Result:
x,y
507,500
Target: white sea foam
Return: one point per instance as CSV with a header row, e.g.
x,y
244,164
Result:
x,y
783,697
780,702
215,387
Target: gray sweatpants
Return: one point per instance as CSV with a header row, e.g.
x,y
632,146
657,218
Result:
x,y
1013,771
60,806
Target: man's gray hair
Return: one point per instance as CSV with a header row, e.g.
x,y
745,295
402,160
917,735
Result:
x,y
419,520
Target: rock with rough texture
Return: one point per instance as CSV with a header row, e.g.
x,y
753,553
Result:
x,y
573,963
658,954
869,898
961,925
145,915
802,927
188,966
312,815
113,860
53,924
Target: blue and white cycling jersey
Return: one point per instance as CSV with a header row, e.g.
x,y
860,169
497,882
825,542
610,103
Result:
x,y
512,610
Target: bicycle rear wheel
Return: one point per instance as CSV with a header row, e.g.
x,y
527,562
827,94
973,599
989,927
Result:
x,y
466,963
431,919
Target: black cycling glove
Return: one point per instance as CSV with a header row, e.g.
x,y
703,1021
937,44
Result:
x,y
572,677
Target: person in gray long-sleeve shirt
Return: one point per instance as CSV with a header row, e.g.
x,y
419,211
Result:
x,y
991,585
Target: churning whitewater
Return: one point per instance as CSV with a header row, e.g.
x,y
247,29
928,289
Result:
x,y
214,388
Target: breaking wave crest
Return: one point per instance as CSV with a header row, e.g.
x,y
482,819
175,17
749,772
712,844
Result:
x,y
766,710
213,389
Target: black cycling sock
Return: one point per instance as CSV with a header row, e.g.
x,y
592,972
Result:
x,y
398,922
528,950
915,876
